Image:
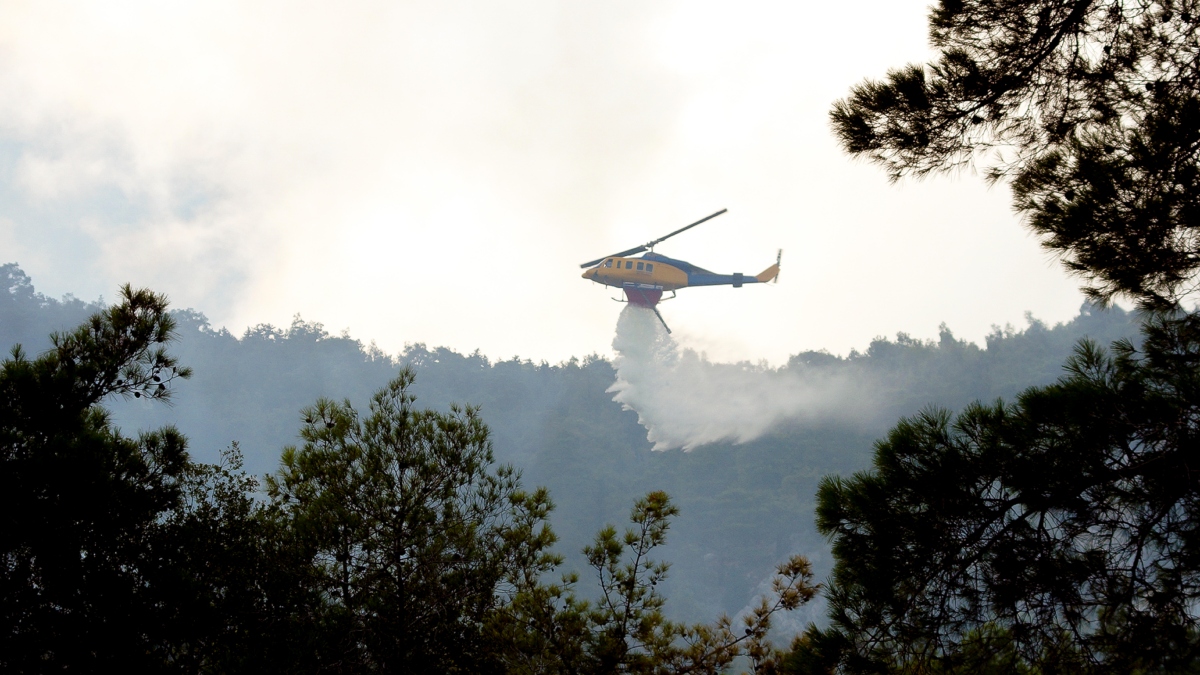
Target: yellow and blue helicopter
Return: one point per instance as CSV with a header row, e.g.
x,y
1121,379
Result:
x,y
645,278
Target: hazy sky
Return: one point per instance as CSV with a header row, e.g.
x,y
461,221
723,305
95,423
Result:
x,y
436,171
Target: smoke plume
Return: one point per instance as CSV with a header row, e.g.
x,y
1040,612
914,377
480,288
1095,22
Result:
x,y
686,401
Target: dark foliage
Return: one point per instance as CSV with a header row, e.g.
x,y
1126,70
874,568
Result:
x,y
1057,532
546,629
92,577
122,553
1093,109
410,538
418,555
390,542
745,504
1064,526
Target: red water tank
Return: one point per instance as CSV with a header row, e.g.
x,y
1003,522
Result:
x,y
642,297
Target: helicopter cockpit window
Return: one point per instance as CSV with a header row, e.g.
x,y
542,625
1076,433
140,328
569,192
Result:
x,y
641,266
608,263
628,264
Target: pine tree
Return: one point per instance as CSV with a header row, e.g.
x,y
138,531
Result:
x,y
1065,525
86,580
1057,532
1091,109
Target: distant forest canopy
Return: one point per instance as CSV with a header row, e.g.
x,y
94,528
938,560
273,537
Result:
x,y
743,507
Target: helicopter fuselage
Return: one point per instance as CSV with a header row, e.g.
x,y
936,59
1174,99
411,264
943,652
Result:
x,y
645,278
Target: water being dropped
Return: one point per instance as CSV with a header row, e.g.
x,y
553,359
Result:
x,y
685,401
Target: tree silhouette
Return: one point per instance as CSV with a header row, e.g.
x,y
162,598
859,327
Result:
x,y
1092,109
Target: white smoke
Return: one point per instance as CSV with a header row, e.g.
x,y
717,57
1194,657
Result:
x,y
686,401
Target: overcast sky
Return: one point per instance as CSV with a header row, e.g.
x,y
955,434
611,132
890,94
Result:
x,y
436,171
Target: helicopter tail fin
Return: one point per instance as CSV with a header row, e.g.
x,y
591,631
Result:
x,y
772,272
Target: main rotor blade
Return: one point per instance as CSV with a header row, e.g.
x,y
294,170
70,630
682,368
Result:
x,y
646,246
705,219
622,254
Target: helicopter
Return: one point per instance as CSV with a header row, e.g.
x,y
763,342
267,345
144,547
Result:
x,y
645,278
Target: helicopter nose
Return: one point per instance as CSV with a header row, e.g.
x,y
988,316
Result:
x,y
588,274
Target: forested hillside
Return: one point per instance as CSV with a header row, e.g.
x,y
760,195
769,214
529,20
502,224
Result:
x,y
743,507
